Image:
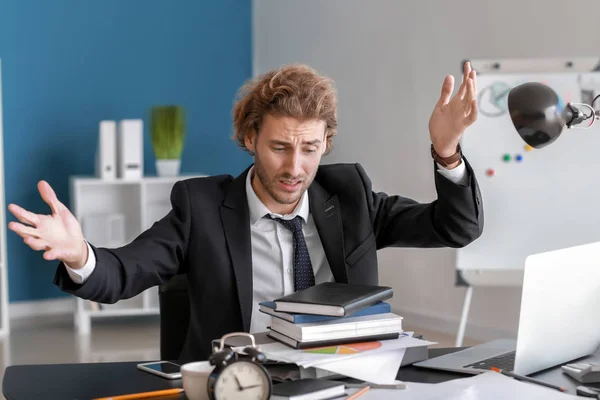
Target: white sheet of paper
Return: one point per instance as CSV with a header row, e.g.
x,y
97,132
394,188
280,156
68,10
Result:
x,y
311,358
486,386
379,368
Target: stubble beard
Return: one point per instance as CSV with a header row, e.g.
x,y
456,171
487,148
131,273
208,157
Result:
x,y
270,186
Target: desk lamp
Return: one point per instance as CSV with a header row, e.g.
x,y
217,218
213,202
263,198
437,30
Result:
x,y
540,117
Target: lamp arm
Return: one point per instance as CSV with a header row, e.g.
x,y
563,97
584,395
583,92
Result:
x,y
578,116
572,115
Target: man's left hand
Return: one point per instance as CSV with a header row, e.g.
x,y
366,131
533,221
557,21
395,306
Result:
x,y
451,117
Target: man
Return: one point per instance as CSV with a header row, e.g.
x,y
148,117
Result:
x,y
284,224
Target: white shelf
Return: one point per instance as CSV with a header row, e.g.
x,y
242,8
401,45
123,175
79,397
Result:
x,y
90,180
132,205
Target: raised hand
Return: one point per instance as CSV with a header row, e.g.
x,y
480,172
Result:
x,y
59,235
451,117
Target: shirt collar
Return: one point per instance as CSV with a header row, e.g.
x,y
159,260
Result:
x,y
258,209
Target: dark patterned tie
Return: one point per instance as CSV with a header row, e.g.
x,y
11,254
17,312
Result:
x,y
304,276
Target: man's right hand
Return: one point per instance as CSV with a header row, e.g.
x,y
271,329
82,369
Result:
x,y
59,235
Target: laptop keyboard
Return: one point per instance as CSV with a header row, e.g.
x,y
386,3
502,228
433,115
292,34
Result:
x,y
503,361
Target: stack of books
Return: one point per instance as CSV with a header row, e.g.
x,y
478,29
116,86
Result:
x,y
333,314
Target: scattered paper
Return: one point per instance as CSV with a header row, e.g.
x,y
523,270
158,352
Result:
x,y
486,386
380,368
315,356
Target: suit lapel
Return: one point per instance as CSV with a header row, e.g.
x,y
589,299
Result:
x,y
326,213
236,224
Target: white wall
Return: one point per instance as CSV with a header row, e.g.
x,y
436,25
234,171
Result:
x,y
389,59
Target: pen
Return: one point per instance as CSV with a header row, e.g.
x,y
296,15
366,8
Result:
x,y
527,379
359,393
144,395
399,385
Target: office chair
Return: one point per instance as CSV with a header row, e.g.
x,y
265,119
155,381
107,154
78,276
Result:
x,y
174,304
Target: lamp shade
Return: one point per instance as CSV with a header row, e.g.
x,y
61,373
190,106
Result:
x,y
537,113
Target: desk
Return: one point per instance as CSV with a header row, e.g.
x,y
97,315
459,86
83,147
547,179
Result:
x,y
89,380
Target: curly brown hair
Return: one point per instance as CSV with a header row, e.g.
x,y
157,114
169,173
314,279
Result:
x,y
296,91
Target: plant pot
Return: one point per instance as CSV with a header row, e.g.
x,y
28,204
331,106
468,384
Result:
x,y
166,167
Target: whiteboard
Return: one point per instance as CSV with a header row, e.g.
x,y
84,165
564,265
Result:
x,y
548,200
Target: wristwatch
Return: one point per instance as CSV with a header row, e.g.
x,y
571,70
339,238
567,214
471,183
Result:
x,y
445,161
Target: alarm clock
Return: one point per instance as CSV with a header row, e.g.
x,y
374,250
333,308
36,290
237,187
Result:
x,y
238,376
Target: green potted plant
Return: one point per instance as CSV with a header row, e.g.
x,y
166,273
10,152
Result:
x,y
167,129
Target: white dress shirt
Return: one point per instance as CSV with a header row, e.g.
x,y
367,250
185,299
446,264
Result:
x,y
273,254
272,250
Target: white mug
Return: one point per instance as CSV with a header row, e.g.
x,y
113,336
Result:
x,y
195,379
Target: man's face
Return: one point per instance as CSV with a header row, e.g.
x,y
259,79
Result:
x,y
287,153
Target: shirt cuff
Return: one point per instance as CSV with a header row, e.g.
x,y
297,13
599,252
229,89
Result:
x,y
80,275
457,175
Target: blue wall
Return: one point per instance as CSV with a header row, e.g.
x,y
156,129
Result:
x,y
68,64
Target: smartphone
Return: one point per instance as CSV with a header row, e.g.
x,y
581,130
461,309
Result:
x,y
165,369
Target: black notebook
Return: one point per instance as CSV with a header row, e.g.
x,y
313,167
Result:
x,y
307,389
298,345
332,298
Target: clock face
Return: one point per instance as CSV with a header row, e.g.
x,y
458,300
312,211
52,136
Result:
x,y
242,380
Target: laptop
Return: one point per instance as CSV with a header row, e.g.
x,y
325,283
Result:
x,y
558,321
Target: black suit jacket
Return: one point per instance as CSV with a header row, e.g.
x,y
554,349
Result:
x,y
206,235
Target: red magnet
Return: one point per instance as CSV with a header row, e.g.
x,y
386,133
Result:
x,y
490,172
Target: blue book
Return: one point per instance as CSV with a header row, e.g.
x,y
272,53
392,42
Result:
x,y
268,307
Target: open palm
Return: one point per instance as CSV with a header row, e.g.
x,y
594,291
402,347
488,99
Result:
x,y
451,117
59,235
